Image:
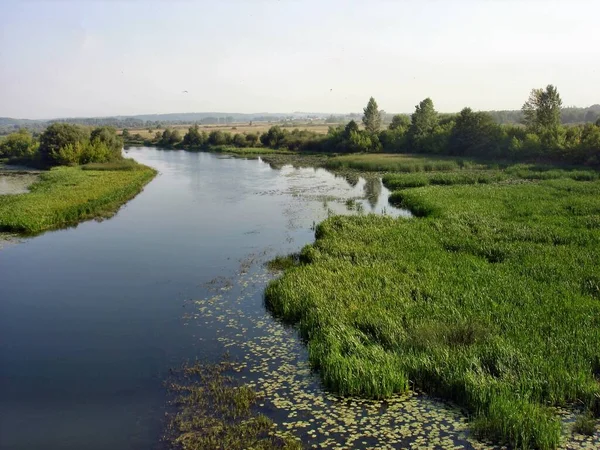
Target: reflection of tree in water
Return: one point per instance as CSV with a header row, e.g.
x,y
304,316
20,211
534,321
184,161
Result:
x,y
372,190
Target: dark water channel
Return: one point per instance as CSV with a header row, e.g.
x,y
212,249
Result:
x,y
93,317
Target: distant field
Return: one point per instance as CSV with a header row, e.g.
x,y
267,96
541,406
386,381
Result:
x,y
232,128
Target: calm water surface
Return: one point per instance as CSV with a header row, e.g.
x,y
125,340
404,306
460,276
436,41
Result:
x,y
92,318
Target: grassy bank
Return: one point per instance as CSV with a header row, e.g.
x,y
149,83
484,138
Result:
x,y
67,195
491,299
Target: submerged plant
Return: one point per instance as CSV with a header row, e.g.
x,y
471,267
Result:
x,y
213,411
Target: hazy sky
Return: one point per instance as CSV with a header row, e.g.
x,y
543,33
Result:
x,y
95,58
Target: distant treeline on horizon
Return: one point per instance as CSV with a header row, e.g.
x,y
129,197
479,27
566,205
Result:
x,y
569,115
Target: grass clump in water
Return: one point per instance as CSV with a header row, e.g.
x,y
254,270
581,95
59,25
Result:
x,y
280,262
213,411
489,300
585,424
67,195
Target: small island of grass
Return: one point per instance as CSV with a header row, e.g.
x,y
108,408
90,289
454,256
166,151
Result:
x,y
87,178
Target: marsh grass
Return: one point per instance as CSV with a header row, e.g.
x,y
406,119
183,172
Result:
x,y
585,424
280,263
403,163
489,300
123,164
65,196
213,411
399,181
247,151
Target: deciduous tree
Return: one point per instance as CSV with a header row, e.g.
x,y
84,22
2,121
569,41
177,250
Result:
x,y
542,110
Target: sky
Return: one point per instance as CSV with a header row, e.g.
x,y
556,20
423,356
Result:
x,y
101,58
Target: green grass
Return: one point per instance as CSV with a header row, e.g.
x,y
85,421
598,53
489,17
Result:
x,y
490,299
124,164
247,151
280,263
395,181
67,195
402,163
585,424
537,172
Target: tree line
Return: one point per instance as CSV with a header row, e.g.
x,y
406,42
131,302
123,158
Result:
x,y
539,136
62,144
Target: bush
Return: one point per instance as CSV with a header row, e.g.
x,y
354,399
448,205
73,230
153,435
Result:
x,y
18,145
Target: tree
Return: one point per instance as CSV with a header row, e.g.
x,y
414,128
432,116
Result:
x,y
372,116
423,122
590,116
542,110
17,145
175,137
252,139
273,138
57,136
239,140
399,122
170,137
109,137
193,138
359,141
474,133
125,133
217,137
351,127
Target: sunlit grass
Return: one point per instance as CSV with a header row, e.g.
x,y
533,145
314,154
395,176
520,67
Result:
x,y
401,163
491,299
247,151
67,195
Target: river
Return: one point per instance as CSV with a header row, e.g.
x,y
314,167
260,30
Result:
x,y
93,317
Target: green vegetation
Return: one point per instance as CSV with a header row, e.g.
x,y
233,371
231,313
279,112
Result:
x,y
67,195
490,299
372,117
585,424
215,412
282,262
540,138
247,151
64,196
469,133
62,144
393,163
19,145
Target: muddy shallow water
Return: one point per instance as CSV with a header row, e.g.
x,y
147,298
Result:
x,y
92,318
16,183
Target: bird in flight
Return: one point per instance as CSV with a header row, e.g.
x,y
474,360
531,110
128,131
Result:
x,y
184,92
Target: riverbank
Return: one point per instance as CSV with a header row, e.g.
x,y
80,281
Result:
x,y
490,299
65,196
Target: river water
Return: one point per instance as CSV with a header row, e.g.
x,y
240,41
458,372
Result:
x,y
93,317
